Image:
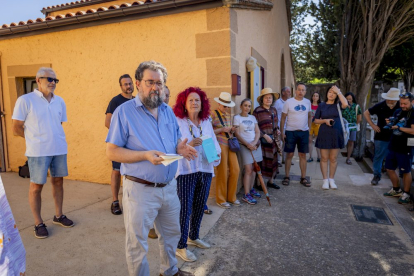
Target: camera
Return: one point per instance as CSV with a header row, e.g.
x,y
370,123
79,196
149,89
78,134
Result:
x,y
394,122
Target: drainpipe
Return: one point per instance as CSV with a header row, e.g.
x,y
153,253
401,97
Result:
x,y
4,157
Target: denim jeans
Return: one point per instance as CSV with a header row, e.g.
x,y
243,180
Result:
x,y
381,151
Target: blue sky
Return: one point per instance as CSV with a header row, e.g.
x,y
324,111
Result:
x,y
22,10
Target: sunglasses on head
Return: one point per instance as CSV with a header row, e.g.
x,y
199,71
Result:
x,y
406,96
50,79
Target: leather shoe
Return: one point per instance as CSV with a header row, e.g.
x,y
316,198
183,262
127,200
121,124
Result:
x,y
152,234
273,185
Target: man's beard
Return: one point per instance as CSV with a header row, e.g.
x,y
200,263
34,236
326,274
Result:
x,y
152,102
391,106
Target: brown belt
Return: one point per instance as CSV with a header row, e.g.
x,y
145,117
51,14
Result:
x,y
147,183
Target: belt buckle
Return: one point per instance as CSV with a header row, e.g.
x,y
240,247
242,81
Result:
x,y
155,184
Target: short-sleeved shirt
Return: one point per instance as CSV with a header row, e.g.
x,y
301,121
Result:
x,y
115,102
297,114
313,110
43,129
135,128
398,143
279,108
383,112
350,114
221,137
247,126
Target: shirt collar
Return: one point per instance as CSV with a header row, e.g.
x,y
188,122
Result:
x,y
40,94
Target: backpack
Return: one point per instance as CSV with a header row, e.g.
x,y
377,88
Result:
x,y
24,170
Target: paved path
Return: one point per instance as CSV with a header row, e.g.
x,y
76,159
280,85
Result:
x,y
307,231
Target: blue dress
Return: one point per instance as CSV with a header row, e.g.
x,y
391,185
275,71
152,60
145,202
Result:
x,y
329,137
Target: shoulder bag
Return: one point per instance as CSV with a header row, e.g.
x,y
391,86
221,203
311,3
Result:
x,y
344,124
234,145
358,128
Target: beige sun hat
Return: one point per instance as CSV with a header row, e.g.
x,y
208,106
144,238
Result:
x,y
393,94
266,91
225,99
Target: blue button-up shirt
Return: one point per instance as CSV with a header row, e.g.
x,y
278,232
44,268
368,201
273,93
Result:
x,y
134,127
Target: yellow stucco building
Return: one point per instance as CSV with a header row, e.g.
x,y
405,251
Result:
x,y
90,43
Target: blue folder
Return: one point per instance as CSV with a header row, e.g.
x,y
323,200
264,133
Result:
x,y
209,148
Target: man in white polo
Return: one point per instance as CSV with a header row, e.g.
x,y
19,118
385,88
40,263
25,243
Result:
x,y
299,116
38,117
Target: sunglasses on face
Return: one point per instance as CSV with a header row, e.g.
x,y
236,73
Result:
x,y
50,79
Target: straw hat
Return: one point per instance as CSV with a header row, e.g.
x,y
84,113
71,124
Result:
x,y
393,94
225,99
266,91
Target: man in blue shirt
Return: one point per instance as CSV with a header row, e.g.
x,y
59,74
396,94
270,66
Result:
x,y
142,130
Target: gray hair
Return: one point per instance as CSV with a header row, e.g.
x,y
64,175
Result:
x,y
43,70
284,89
151,65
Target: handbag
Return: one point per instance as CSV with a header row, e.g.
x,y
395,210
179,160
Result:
x,y
344,124
24,170
234,145
358,126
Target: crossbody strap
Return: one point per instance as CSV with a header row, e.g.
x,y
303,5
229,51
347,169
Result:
x,y
221,121
340,116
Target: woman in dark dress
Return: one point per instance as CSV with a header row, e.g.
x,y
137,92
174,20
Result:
x,y
331,137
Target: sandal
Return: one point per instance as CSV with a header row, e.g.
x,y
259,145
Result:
x,y
348,162
208,212
286,181
304,182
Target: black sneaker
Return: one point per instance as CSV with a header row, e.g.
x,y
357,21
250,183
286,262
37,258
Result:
x,y
63,221
375,180
40,231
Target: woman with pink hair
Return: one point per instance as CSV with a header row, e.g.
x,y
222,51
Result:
x,y
194,177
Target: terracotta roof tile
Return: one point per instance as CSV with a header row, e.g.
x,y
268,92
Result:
x,y
83,15
66,4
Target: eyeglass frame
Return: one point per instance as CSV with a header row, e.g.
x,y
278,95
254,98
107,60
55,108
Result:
x,y
160,84
49,79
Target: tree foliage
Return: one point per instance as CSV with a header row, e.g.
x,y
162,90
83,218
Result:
x,y
398,63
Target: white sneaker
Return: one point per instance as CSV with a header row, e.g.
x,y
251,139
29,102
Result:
x,y
332,184
224,205
198,243
186,255
325,184
235,203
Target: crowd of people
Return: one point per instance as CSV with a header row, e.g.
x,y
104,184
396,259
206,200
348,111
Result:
x,y
168,201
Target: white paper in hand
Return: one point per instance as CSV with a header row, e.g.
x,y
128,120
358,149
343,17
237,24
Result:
x,y
170,158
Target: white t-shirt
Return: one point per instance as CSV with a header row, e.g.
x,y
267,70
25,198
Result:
x,y
279,108
43,129
297,114
246,125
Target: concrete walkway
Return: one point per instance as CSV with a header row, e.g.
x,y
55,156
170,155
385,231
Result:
x,y
307,231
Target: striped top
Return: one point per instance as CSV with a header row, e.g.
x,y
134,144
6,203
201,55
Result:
x,y
221,137
264,119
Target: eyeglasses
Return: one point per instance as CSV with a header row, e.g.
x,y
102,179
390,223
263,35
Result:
x,y
406,96
150,83
50,79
